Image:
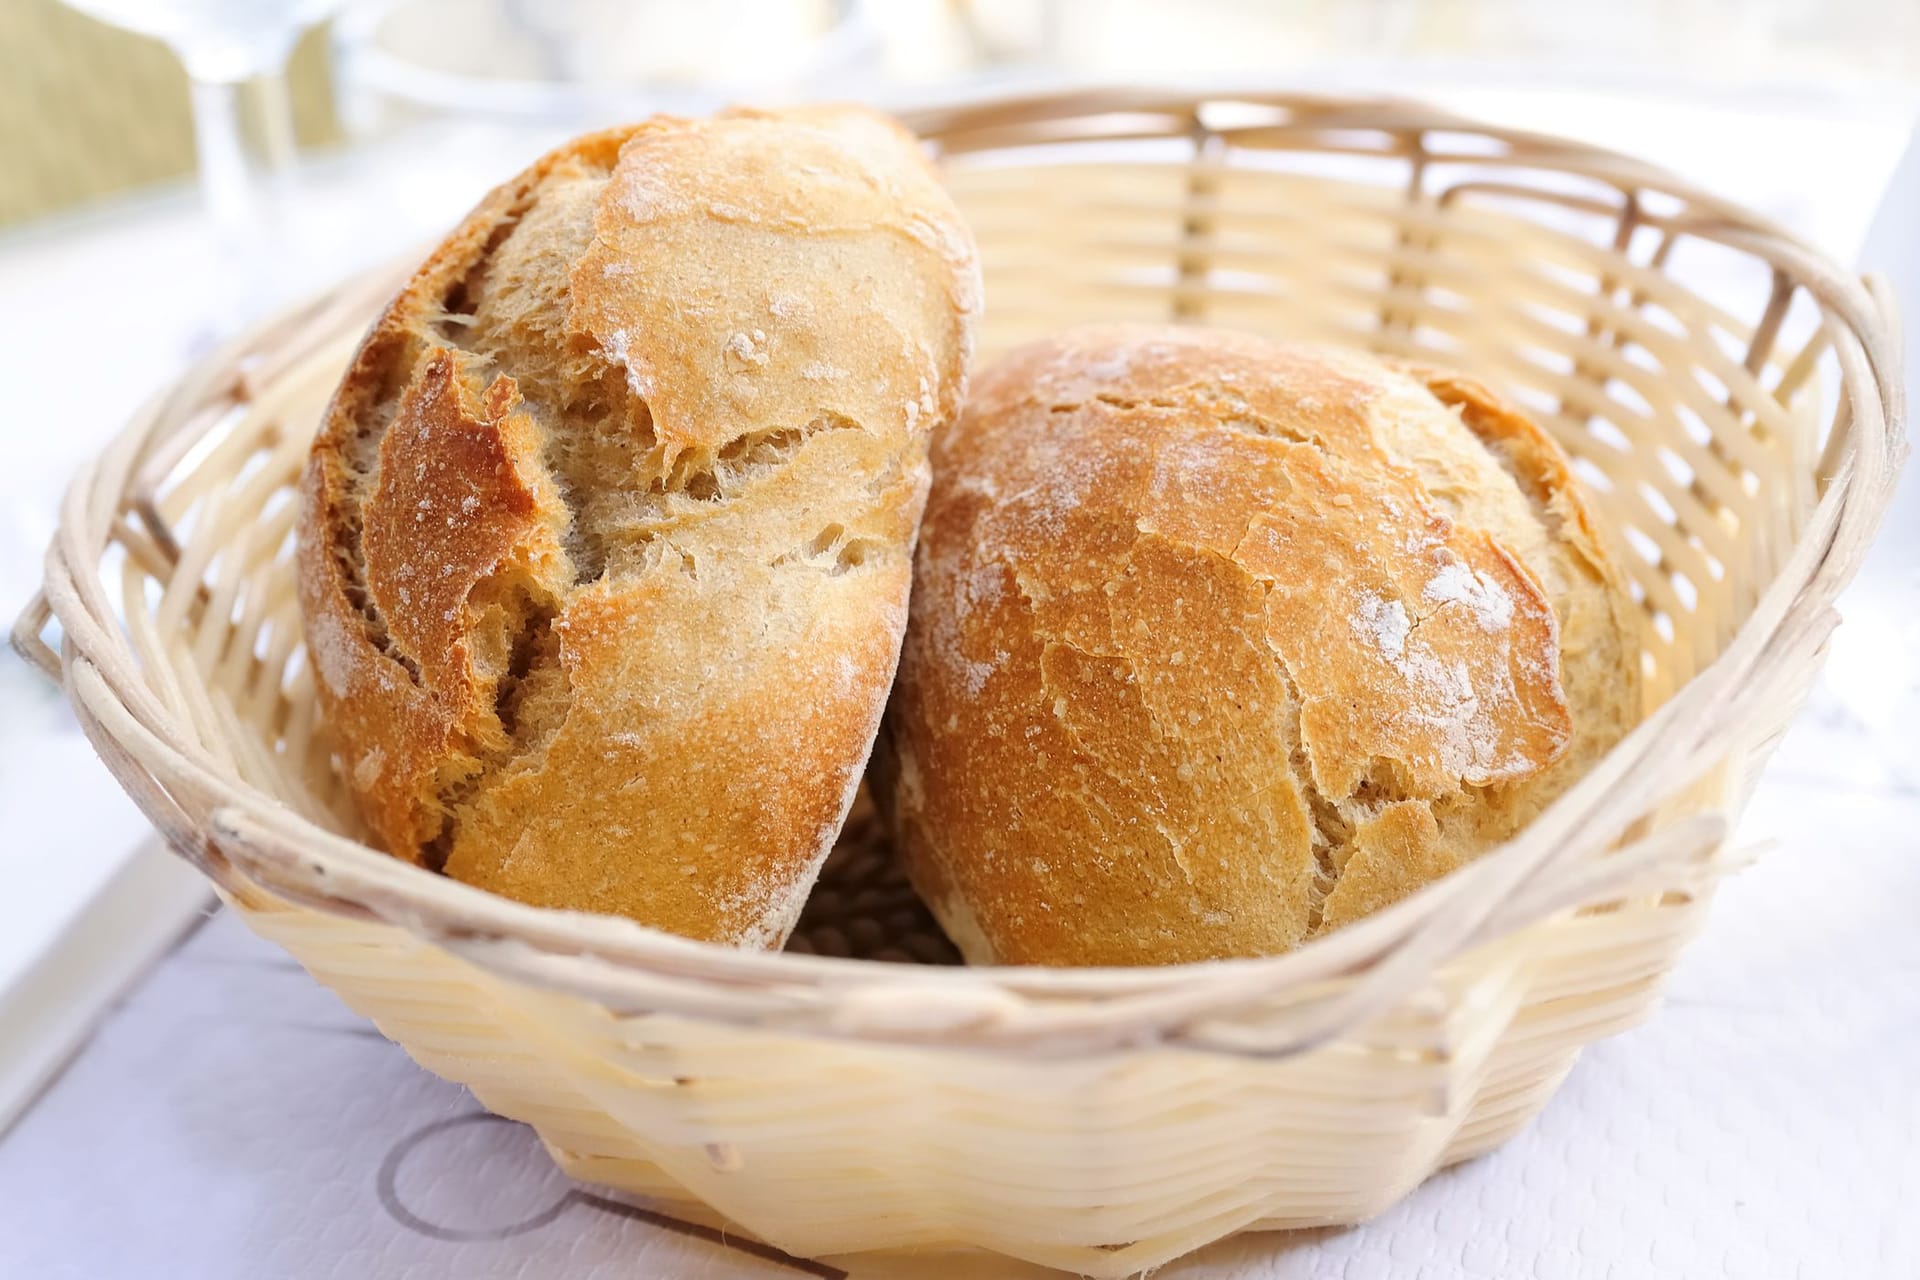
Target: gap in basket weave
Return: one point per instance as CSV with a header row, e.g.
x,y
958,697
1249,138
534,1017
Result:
x,y
862,906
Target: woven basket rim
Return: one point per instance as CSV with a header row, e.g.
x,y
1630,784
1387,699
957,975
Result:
x,y
1387,113
1338,978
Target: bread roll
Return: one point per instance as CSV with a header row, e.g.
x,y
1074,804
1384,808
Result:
x,y
606,538
1218,644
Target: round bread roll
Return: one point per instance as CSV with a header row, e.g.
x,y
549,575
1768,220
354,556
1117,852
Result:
x,y
1218,644
606,539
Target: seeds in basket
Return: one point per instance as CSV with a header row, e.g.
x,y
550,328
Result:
x,y
606,538
1217,644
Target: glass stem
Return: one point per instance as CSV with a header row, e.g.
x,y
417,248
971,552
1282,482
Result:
x,y
243,134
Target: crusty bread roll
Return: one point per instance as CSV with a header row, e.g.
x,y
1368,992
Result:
x,y
606,539
1217,644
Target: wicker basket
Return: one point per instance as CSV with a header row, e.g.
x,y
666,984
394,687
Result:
x,y
1732,398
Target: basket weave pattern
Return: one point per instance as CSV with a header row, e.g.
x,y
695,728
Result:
x,y
1731,398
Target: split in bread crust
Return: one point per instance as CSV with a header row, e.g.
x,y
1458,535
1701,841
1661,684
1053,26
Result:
x,y
1218,643
605,542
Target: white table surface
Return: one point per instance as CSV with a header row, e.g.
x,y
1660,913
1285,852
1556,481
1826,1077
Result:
x,y
230,1119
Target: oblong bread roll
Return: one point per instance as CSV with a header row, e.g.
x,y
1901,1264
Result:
x,y
605,543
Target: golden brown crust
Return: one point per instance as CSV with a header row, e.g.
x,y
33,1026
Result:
x,y
1217,643
605,542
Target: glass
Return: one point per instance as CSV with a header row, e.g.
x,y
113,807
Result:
x,y
1873,668
566,65
235,54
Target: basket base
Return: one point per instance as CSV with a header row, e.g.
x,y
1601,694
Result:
x,y
835,1149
